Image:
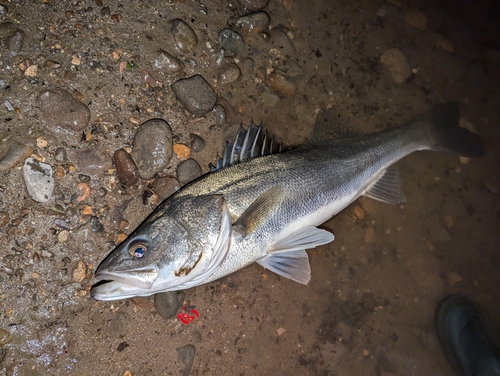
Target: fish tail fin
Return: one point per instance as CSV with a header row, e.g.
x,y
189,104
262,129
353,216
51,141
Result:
x,y
442,125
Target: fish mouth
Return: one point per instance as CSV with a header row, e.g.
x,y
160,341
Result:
x,y
115,290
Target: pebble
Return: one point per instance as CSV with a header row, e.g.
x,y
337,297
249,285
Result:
x,y
195,94
228,74
41,142
3,10
13,150
165,187
281,331
416,18
5,337
4,218
397,63
281,41
167,304
96,225
453,278
254,22
126,170
269,98
87,210
93,162
197,143
282,84
247,66
184,37
220,115
63,236
12,37
359,212
61,155
294,70
186,355
187,171
79,272
8,105
168,63
182,151
369,235
254,5
231,42
38,179
60,108
152,149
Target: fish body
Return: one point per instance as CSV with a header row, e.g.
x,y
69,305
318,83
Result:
x,y
267,209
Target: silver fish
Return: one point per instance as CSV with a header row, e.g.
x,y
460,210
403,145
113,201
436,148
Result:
x,y
265,207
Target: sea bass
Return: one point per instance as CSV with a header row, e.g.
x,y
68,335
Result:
x,y
265,208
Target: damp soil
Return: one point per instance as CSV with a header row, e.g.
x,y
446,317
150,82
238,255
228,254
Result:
x,y
369,308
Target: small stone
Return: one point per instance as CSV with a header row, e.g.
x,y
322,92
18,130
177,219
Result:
x,y
247,66
87,210
51,64
79,272
121,237
281,331
165,187
168,63
254,5
228,74
12,37
126,170
41,142
186,355
231,42
282,84
359,212
187,171
464,160
198,143
127,373
182,151
4,218
270,98
96,225
397,63
61,155
254,22
38,179
280,40
13,150
294,70
8,105
369,235
453,278
93,162
31,71
5,337
195,94
366,352
75,60
416,18
60,109
167,304
152,149
220,115
62,237
184,36
3,12
35,275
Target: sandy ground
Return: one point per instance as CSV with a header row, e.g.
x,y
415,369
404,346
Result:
x,y
370,305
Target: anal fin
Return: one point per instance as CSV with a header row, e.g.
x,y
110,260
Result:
x,y
387,187
288,257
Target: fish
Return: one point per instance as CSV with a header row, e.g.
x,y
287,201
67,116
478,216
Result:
x,y
263,206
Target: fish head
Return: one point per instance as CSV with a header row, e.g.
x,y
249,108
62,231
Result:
x,y
179,243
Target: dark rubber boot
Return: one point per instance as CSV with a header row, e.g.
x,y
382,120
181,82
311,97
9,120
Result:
x,y
468,337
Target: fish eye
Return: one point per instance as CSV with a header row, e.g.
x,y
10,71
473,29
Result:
x,y
138,249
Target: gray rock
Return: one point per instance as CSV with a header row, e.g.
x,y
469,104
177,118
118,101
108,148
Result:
x,y
13,150
197,143
294,70
247,66
195,94
270,98
184,37
220,115
93,162
126,170
168,63
280,40
167,304
8,105
60,108
187,171
152,147
12,37
231,42
254,22
254,4
3,10
228,74
38,179
186,355
165,187
397,63
61,155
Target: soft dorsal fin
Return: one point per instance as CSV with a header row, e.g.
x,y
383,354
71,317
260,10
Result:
x,y
387,187
328,126
251,143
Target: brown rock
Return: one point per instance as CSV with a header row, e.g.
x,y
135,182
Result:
x,y
282,84
126,170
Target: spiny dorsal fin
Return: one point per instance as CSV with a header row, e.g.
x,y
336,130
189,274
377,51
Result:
x,y
251,143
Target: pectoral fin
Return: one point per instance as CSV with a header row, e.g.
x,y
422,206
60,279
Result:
x,y
387,188
260,210
288,257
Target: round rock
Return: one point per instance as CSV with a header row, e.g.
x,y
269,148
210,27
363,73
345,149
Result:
x,y
38,179
93,162
228,74
187,171
184,37
13,150
152,147
231,42
126,170
195,94
60,108
12,37
254,23
197,143
281,41
167,304
168,63
165,187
